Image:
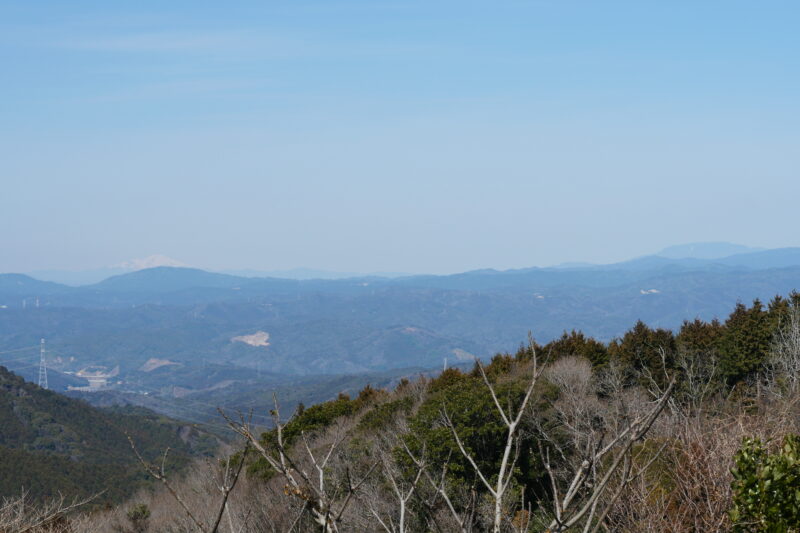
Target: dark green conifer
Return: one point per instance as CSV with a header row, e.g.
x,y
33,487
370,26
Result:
x,y
576,343
643,349
746,342
699,338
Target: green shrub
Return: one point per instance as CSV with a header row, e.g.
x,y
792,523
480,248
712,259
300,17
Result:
x,y
766,487
138,515
379,416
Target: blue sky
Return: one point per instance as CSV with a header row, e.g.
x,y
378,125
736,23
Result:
x,y
418,136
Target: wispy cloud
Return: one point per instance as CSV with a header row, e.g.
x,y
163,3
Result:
x,y
247,41
180,89
169,41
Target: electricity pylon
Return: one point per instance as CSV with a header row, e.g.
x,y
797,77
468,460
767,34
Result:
x,y
42,367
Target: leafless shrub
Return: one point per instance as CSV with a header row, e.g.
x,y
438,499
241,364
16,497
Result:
x,y
608,466
20,515
579,411
607,462
511,419
783,363
326,498
688,489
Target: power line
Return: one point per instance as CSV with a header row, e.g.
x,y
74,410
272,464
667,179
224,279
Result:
x,y
20,349
186,404
25,358
17,366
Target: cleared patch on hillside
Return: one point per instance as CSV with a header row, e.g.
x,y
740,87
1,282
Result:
x,y
259,338
153,363
463,355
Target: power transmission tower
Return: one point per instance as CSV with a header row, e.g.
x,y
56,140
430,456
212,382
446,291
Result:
x,y
42,367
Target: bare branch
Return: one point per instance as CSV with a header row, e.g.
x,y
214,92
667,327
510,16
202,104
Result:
x,y
228,485
161,476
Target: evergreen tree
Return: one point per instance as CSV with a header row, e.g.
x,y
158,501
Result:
x,y
779,308
698,338
644,349
576,343
745,344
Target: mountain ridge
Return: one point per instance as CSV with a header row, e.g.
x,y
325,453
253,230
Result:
x,y
183,277
705,250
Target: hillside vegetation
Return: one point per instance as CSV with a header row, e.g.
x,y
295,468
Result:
x,y
654,431
50,444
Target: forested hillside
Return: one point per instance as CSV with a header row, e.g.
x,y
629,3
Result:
x,y
51,444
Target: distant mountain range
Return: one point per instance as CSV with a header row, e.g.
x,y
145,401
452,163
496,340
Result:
x,y
702,251
177,332
706,250
76,278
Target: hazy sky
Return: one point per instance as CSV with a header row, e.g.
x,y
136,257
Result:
x,y
417,136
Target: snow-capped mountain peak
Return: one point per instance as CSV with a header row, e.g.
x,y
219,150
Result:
x,y
150,262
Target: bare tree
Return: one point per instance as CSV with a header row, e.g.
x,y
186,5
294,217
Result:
x,y
160,473
19,515
326,504
605,462
584,502
578,409
783,363
511,419
463,520
699,372
402,489
226,485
